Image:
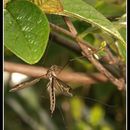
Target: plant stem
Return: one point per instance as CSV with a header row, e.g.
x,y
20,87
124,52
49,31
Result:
x,y
67,76
87,52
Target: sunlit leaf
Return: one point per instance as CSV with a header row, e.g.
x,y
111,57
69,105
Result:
x,y
85,12
50,6
82,11
26,30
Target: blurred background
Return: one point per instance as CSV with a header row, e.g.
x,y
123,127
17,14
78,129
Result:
x,y
98,106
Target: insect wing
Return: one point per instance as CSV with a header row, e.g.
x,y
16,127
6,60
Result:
x,y
62,87
24,85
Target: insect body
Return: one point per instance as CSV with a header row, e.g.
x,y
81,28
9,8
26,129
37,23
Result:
x,y
53,85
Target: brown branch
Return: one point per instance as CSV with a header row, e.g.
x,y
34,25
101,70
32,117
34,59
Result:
x,y
70,26
114,59
66,32
56,34
87,52
65,42
67,76
59,29
59,38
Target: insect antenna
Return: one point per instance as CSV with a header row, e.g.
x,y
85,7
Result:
x,y
97,101
70,60
62,116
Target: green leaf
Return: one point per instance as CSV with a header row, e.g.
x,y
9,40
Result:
x,y
96,115
85,12
122,51
123,32
110,9
121,26
26,30
49,6
76,106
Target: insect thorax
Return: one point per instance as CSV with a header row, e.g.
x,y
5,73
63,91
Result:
x,y
52,71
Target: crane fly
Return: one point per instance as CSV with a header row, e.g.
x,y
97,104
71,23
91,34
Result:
x,y
54,84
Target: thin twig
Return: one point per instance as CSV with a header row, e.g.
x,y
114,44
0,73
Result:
x,y
66,32
59,29
87,52
114,60
65,42
70,26
56,34
67,76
